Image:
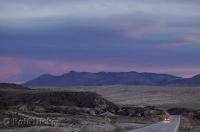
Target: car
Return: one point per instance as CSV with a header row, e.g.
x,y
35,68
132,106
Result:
x,y
166,119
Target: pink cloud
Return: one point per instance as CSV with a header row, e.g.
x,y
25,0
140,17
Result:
x,y
54,67
189,39
14,68
134,32
193,38
9,68
139,30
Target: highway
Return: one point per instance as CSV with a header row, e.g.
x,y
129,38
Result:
x,y
163,126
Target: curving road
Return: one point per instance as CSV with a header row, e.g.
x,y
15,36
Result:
x,y
164,126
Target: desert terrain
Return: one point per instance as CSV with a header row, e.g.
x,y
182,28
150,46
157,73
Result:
x,y
176,99
159,96
115,108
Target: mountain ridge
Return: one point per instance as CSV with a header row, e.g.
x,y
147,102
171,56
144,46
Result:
x,y
73,78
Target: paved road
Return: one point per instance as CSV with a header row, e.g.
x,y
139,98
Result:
x,y
164,126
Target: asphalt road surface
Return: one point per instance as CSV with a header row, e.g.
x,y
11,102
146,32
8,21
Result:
x,y
164,126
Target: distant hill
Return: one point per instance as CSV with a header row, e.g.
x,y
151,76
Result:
x,y
102,78
7,86
194,81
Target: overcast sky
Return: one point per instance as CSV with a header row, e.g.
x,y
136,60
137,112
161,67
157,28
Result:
x,y
56,36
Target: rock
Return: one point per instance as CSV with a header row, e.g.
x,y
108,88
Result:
x,y
107,114
146,112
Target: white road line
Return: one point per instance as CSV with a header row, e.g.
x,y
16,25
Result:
x,y
177,127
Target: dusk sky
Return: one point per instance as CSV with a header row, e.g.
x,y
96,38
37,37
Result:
x,y
57,36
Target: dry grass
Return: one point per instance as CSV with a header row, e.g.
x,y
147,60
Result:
x,y
160,96
189,124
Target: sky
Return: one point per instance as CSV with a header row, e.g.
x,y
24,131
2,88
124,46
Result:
x,y
57,36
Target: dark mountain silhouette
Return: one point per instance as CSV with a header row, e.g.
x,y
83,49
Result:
x,y
102,78
7,86
194,81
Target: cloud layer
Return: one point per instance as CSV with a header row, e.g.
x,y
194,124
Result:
x,y
111,35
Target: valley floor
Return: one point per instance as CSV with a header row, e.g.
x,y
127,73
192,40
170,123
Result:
x,y
159,96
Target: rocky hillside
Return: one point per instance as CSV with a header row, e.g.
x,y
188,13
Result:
x,y
48,100
10,86
67,108
67,102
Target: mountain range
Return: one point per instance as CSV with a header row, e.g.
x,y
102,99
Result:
x,y
194,81
74,78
